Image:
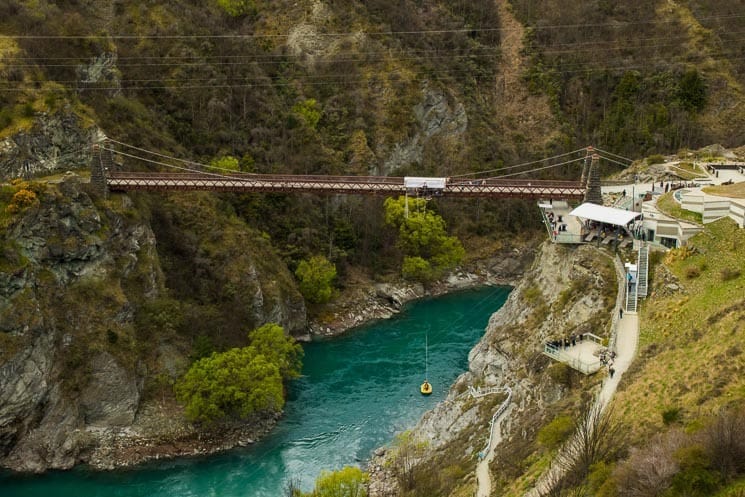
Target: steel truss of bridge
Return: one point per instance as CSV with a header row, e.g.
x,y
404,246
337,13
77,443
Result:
x,y
372,185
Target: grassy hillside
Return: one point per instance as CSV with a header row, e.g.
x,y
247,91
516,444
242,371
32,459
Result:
x,y
683,401
691,336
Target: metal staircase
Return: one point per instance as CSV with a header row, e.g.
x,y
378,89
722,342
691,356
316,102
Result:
x,y
632,298
642,273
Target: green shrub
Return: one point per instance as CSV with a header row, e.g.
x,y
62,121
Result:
x,y
556,432
316,276
417,269
241,381
655,159
349,481
236,8
203,347
226,162
308,111
670,416
695,477
422,237
235,383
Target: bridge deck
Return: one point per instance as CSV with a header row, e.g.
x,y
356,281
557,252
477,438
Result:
x,y
373,185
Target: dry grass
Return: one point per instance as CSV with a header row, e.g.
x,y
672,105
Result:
x,y
668,205
691,344
733,191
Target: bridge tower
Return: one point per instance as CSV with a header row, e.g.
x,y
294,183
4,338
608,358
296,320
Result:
x,y
593,193
586,167
101,162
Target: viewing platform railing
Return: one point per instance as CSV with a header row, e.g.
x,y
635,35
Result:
x,y
583,366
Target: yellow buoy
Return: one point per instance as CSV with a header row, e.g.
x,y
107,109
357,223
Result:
x,y
426,388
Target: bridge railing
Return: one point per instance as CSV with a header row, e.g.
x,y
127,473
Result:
x,y
374,185
207,175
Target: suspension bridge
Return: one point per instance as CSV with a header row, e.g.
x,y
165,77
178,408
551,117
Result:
x,y
190,175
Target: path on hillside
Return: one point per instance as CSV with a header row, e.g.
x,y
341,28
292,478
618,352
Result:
x,y
483,478
627,340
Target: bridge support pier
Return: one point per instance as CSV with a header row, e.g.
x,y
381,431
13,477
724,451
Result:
x,y
586,167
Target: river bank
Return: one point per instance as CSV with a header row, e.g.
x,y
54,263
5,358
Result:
x,y
365,301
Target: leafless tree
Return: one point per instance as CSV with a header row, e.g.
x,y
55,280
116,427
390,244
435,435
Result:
x,y
291,487
406,454
648,471
598,436
724,440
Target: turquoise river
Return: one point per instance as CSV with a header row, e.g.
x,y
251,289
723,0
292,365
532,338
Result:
x,y
356,393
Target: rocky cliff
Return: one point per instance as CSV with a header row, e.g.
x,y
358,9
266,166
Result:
x,y
89,336
52,142
569,290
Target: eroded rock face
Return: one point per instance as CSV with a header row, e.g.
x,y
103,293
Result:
x,y
56,142
112,394
24,387
53,440
564,290
436,117
60,292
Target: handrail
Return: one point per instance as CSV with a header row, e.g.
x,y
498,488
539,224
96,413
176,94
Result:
x,y
496,415
621,278
578,364
477,393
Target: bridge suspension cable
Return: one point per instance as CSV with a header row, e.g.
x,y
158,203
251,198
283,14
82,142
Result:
x,y
164,156
624,164
605,152
218,172
537,168
519,165
159,163
205,168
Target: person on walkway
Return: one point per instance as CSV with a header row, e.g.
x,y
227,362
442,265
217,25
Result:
x,y
620,312
611,371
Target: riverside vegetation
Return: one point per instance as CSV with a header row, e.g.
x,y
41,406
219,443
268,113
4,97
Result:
x,y
98,321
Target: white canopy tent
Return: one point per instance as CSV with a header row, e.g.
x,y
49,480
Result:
x,y
607,215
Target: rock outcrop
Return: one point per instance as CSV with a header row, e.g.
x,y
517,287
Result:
x,y
56,142
437,117
568,290
86,322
